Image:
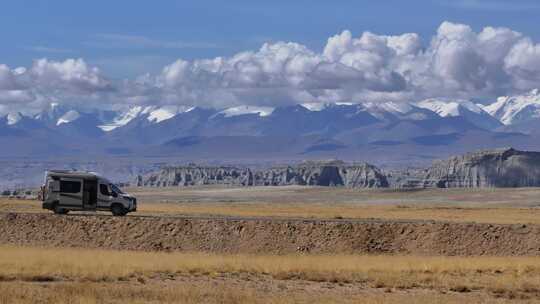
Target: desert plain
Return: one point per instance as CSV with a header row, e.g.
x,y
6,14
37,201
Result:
x,y
278,245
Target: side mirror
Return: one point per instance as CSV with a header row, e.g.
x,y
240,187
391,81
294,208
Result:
x,y
114,194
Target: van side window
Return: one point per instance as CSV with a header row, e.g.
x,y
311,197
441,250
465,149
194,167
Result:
x,y
104,189
70,186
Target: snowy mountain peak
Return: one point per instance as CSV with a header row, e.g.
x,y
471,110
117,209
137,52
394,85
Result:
x,y
447,108
122,119
314,107
243,110
68,117
392,107
516,109
167,112
317,107
13,118
152,114
52,113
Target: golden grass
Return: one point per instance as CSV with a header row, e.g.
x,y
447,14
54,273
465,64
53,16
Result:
x,y
499,215
325,195
505,273
93,293
46,275
480,214
19,205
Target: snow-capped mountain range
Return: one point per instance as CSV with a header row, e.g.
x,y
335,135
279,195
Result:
x,y
308,129
518,113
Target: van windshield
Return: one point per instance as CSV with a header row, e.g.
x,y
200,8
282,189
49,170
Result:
x,y
116,189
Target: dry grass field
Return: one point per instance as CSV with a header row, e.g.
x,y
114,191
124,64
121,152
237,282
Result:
x,y
501,206
61,275
330,195
504,206
498,214
96,276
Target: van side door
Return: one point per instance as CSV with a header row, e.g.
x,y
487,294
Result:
x,y
90,192
71,195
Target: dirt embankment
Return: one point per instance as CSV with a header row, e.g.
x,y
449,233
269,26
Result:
x,y
269,236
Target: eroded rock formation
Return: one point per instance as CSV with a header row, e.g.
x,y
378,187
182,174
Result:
x,y
493,168
193,175
334,173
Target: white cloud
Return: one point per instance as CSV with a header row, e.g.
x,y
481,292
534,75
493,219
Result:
x,y
69,81
15,97
462,63
7,78
70,75
456,62
523,63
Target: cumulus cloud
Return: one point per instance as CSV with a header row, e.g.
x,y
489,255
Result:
x,y
523,64
7,78
293,73
457,62
46,81
71,75
15,97
462,62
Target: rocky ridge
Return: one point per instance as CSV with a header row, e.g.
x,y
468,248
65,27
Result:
x,y
333,173
194,175
505,167
493,168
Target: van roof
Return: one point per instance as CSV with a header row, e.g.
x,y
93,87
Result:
x,y
74,174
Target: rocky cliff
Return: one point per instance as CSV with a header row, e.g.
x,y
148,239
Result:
x,y
494,168
333,173
193,175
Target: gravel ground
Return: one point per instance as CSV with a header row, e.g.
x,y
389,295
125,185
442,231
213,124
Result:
x,y
269,236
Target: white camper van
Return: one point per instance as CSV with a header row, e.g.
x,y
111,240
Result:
x,y
65,191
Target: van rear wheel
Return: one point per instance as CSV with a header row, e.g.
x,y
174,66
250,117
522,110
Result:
x,y
118,210
59,210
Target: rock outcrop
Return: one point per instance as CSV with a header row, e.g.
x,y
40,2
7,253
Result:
x,y
193,175
493,168
334,173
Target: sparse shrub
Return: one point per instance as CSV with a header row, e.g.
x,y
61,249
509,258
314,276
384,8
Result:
x,y
460,288
531,288
141,280
41,278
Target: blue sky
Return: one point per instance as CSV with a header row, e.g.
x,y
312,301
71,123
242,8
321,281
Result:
x,y
128,38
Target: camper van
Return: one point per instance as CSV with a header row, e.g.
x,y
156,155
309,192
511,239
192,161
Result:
x,y
65,191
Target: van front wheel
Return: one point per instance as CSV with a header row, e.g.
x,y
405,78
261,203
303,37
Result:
x,y
118,210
